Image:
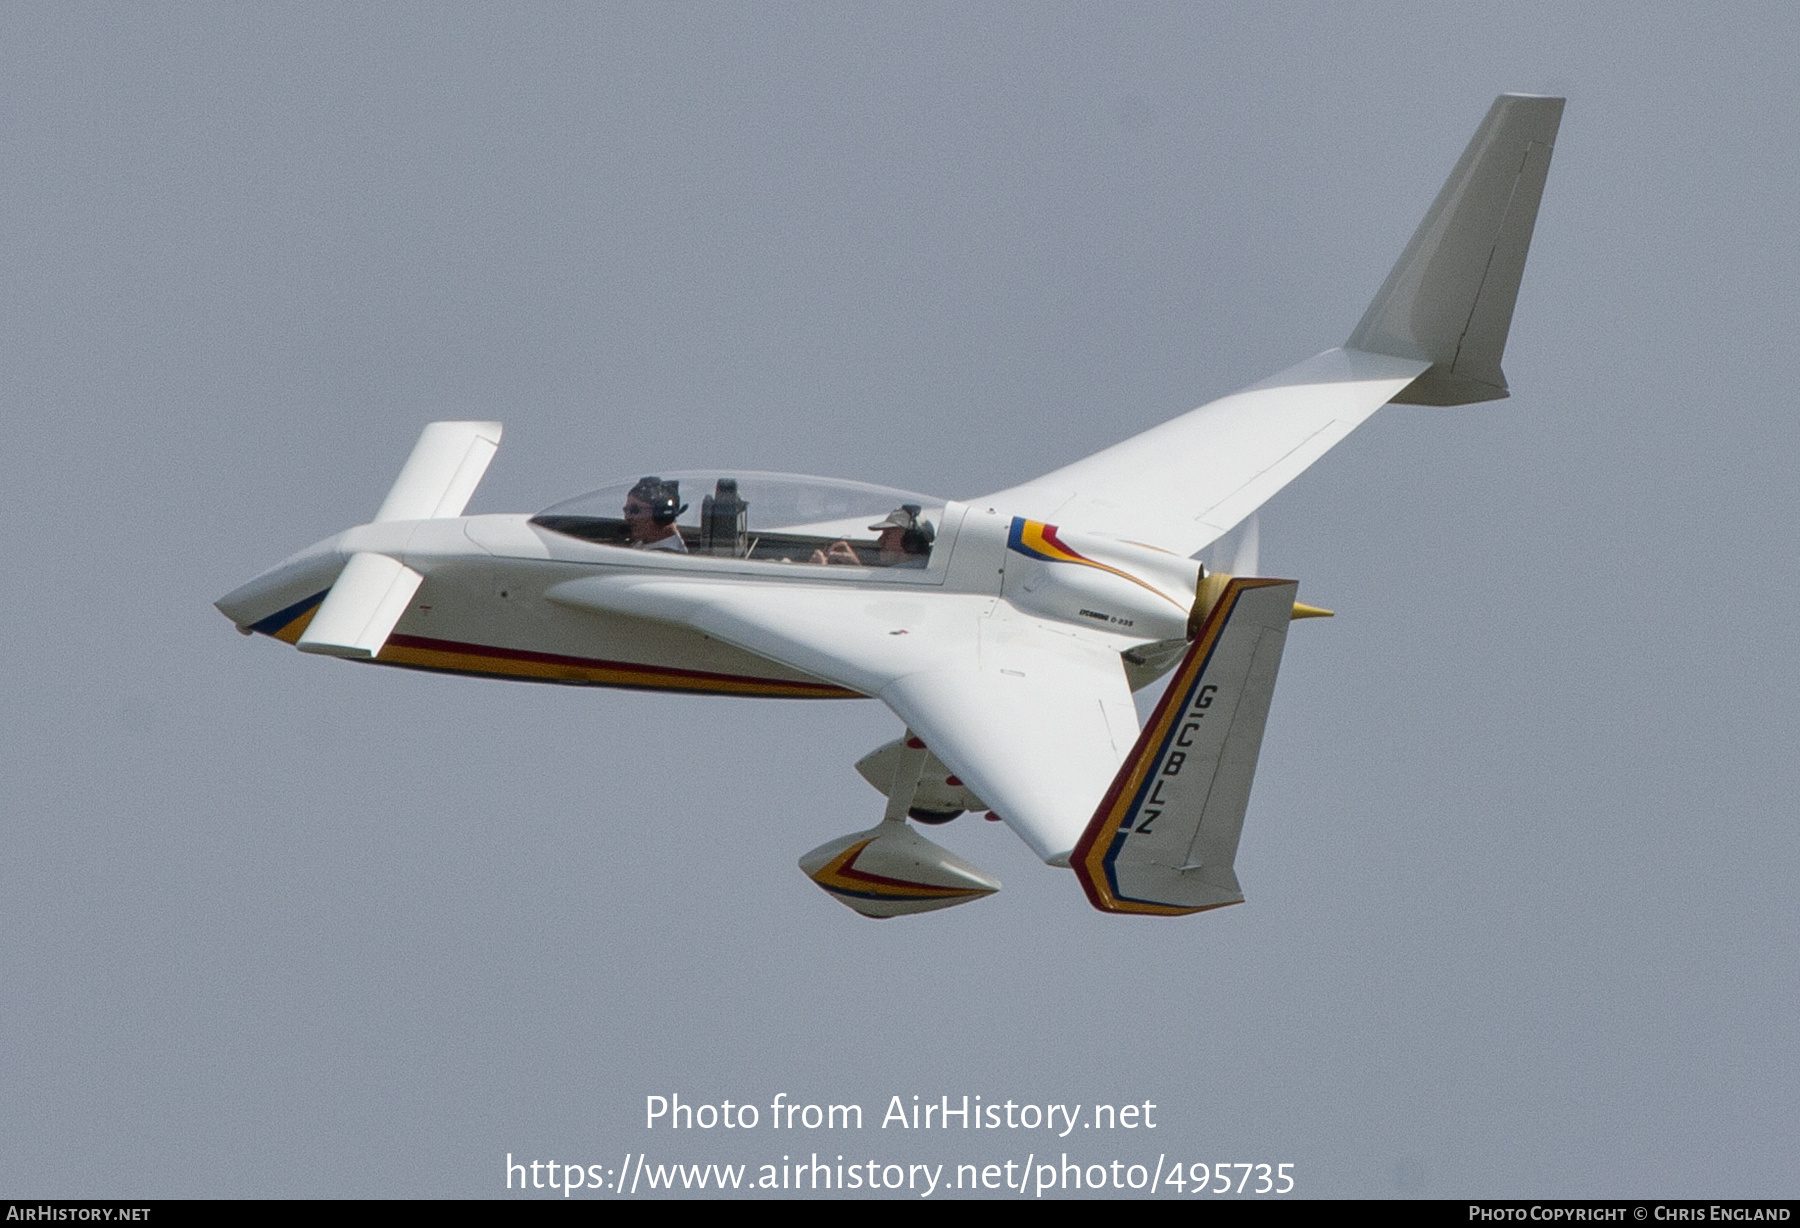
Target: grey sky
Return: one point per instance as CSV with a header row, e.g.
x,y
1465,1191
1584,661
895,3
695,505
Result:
x,y
1520,857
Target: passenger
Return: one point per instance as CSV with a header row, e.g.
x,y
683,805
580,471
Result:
x,y
650,512
904,541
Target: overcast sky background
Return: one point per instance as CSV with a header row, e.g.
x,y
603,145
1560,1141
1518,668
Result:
x,y
1521,856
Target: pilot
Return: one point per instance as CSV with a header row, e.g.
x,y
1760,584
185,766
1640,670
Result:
x,y
650,511
903,540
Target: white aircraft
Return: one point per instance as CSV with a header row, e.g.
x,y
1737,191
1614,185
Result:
x,y
1007,632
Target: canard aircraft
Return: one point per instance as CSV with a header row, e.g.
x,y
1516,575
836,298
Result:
x,y
1007,632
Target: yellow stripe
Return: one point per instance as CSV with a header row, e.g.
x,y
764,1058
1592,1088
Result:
x,y
293,631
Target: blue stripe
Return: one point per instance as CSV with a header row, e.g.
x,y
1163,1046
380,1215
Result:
x,y
281,618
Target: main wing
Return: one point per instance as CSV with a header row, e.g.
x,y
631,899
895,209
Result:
x,y
1034,720
1184,484
1434,335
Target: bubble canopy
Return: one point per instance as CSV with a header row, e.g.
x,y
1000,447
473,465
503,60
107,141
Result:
x,y
774,517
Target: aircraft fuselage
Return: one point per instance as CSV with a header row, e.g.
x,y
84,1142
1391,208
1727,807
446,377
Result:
x,y
487,606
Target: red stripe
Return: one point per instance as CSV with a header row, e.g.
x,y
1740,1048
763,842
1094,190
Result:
x,y
550,658
1049,535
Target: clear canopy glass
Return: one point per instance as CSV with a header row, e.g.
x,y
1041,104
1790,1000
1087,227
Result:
x,y
771,517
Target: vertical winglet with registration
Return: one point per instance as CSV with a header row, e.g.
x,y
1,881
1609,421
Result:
x,y
1165,836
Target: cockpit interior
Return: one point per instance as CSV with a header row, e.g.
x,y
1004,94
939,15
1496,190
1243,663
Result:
x,y
763,517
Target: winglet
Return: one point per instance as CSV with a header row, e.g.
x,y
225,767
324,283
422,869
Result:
x,y
1164,838
1450,297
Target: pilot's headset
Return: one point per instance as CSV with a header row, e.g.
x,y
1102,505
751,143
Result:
x,y
918,538
662,498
